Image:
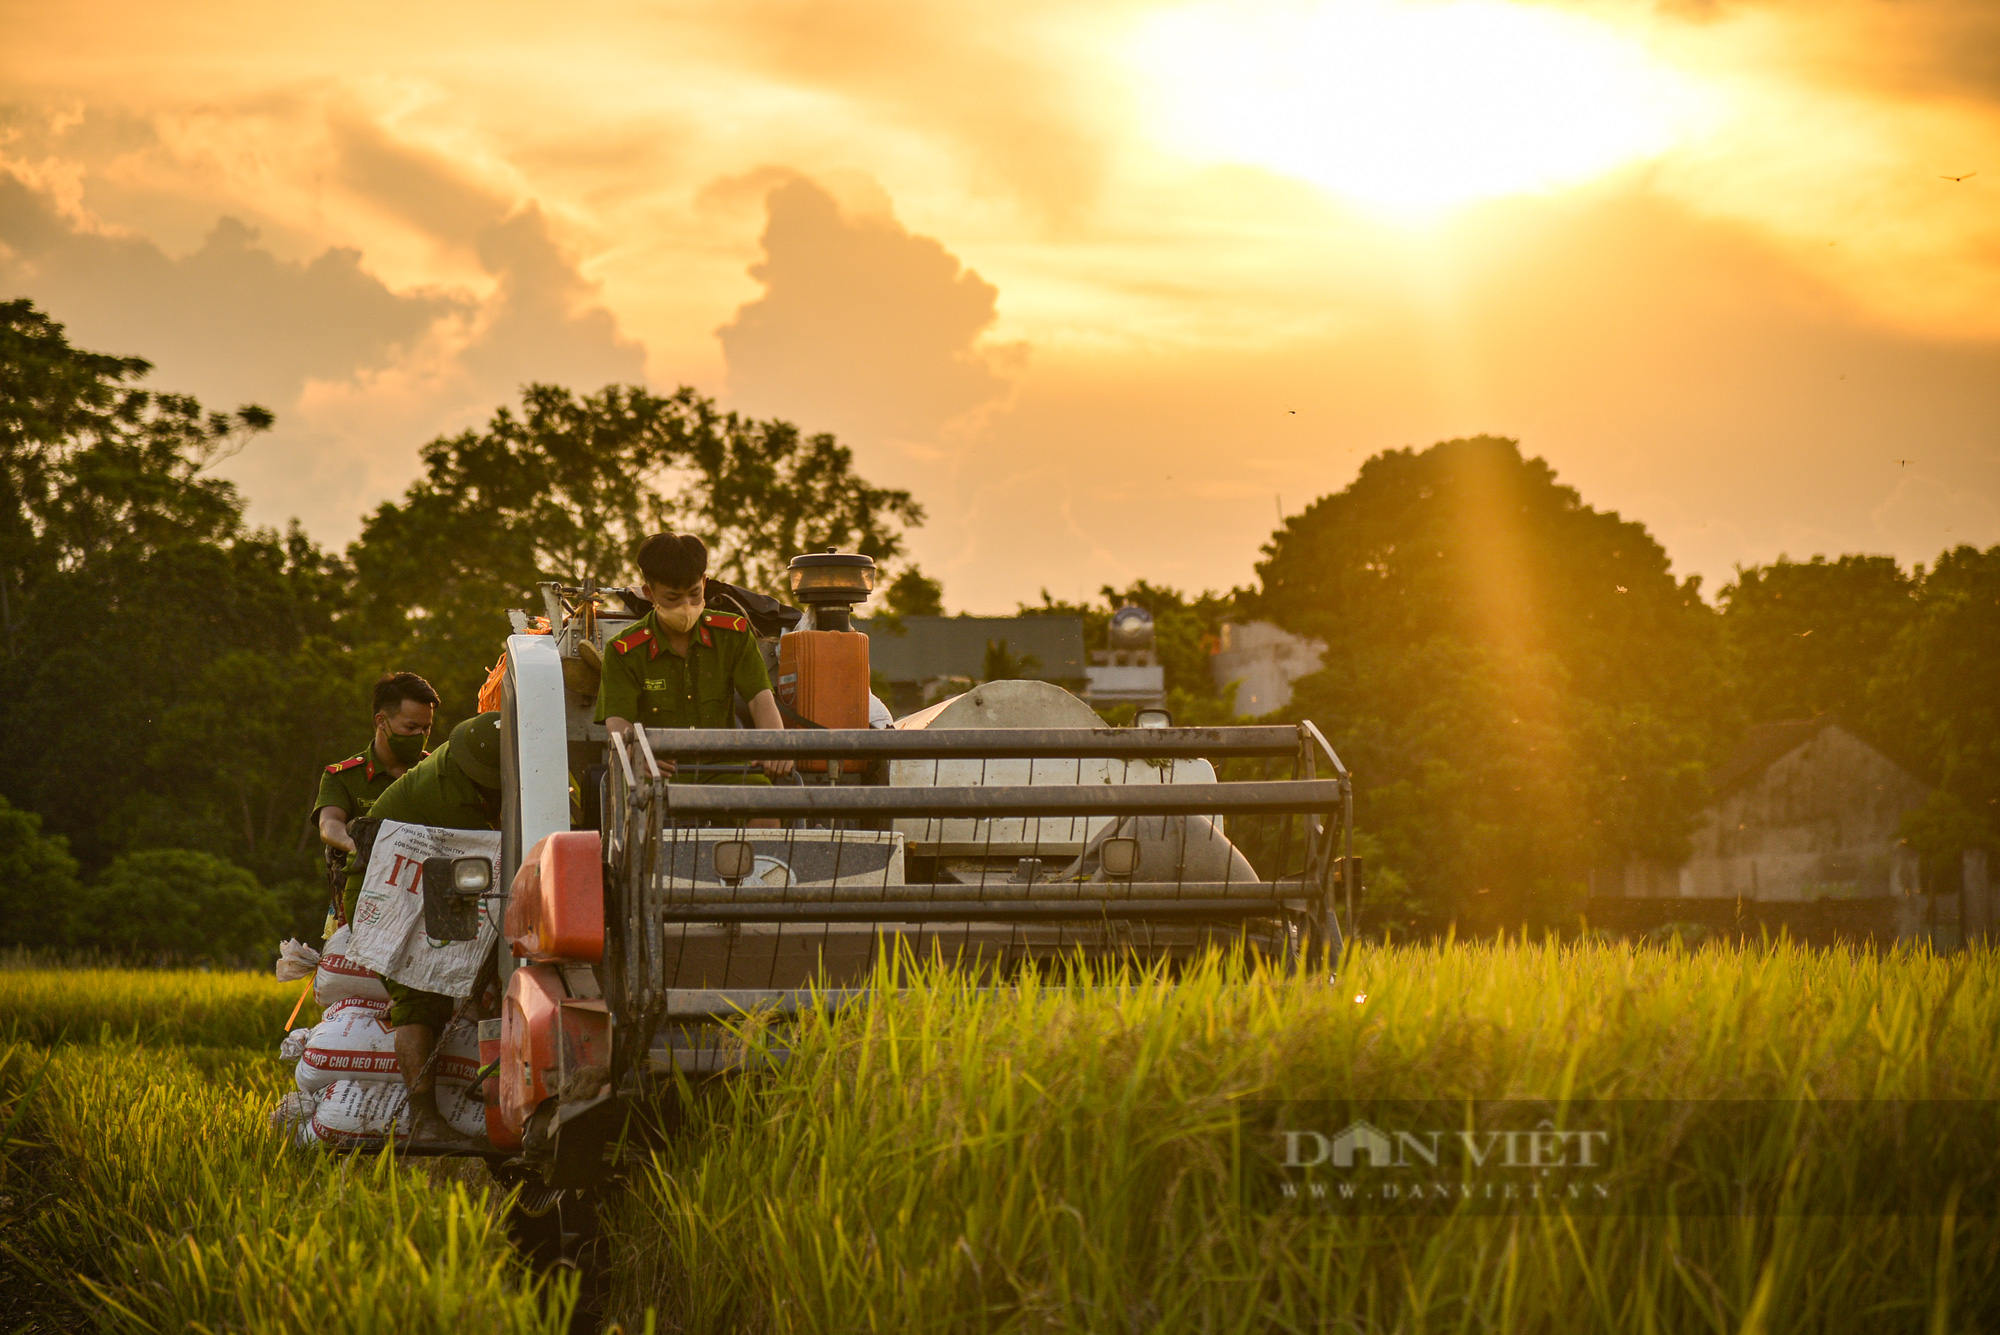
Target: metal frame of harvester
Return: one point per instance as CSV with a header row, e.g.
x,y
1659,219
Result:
x,y
992,847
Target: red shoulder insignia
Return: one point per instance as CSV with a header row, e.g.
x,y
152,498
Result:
x,y
631,640
347,764
726,620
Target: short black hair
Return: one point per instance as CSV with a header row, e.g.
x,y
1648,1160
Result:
x,y
396,687
673,559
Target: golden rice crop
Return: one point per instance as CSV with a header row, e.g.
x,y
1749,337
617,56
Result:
x,y
167,1006
1050,1159
144,1180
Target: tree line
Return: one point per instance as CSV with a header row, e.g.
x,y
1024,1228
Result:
x,y
1523,687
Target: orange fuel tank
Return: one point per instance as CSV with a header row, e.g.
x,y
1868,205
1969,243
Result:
x,y
555,908
823,676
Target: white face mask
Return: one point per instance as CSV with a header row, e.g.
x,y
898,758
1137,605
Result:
x,y
679,620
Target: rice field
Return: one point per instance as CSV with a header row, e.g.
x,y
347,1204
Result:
x,y
947,1159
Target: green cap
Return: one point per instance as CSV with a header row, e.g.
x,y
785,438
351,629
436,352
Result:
x,y
475,748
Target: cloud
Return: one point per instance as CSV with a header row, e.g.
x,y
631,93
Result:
x,y
230,321
862,324
359,374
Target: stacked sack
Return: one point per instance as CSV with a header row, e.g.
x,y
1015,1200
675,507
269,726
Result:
x,y
350,1087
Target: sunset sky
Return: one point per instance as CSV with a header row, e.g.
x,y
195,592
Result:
x,y
1106,286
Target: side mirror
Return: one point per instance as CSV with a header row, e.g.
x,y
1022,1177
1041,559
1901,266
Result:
x,y
734,859
453,888
1119,857
1153,717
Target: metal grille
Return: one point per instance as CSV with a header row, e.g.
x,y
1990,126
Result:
x,y
987,846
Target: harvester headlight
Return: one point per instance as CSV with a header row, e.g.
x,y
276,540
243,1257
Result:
x,y
734,859
1119,857
471,876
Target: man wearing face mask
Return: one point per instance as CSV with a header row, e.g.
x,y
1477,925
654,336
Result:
x,y
404,706
456,787
678,666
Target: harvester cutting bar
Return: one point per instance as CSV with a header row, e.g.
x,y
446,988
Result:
x,y
990,910
979,743
1275,798
995,891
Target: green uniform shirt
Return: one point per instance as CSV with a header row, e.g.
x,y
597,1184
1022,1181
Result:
x,y
434,791
353,784
651,685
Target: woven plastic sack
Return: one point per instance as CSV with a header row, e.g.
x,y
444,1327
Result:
x,y
356,1114
294,1046
342,979
355,1042
296,959
294,1109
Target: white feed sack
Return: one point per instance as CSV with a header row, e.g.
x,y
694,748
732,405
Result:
x,y
340,978
355,1042
360,1114
388,932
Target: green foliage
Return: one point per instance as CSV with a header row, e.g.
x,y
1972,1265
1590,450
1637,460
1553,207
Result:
x,y
176,903
1523,686
915,594
1065,1159
568,487
1809,635
1000,665
38,885
1936,699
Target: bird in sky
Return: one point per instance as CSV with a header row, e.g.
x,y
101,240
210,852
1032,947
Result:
x,y
1943,177
1902,463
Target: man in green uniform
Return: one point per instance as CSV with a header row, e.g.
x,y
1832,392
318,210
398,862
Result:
x,y
456,787
679,665
404,707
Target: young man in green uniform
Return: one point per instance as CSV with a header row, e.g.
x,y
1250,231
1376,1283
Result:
x,y
678,665
404,706
456,787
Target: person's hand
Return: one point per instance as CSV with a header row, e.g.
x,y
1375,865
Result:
x,y
333,830
776,769
667,767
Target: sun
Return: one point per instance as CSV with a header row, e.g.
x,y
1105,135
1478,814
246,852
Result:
x,y
1408,106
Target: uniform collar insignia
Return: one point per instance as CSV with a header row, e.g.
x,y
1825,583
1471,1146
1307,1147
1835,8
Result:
x,y
726,620
635,637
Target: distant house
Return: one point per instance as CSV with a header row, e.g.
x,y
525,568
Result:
x,y
1803,811
930,657
1263,660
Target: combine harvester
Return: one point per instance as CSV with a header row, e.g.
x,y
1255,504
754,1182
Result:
x,y
1006,828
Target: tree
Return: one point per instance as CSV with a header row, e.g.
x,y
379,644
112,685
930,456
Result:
x,y
1808,636
128,572
1935,701
38,885
178,904
89,461
914,594
1522,686
567,488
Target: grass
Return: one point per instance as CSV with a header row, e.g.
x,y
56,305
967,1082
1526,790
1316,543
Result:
x,y
180,1007
1042,1160
947,1160
143,1190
